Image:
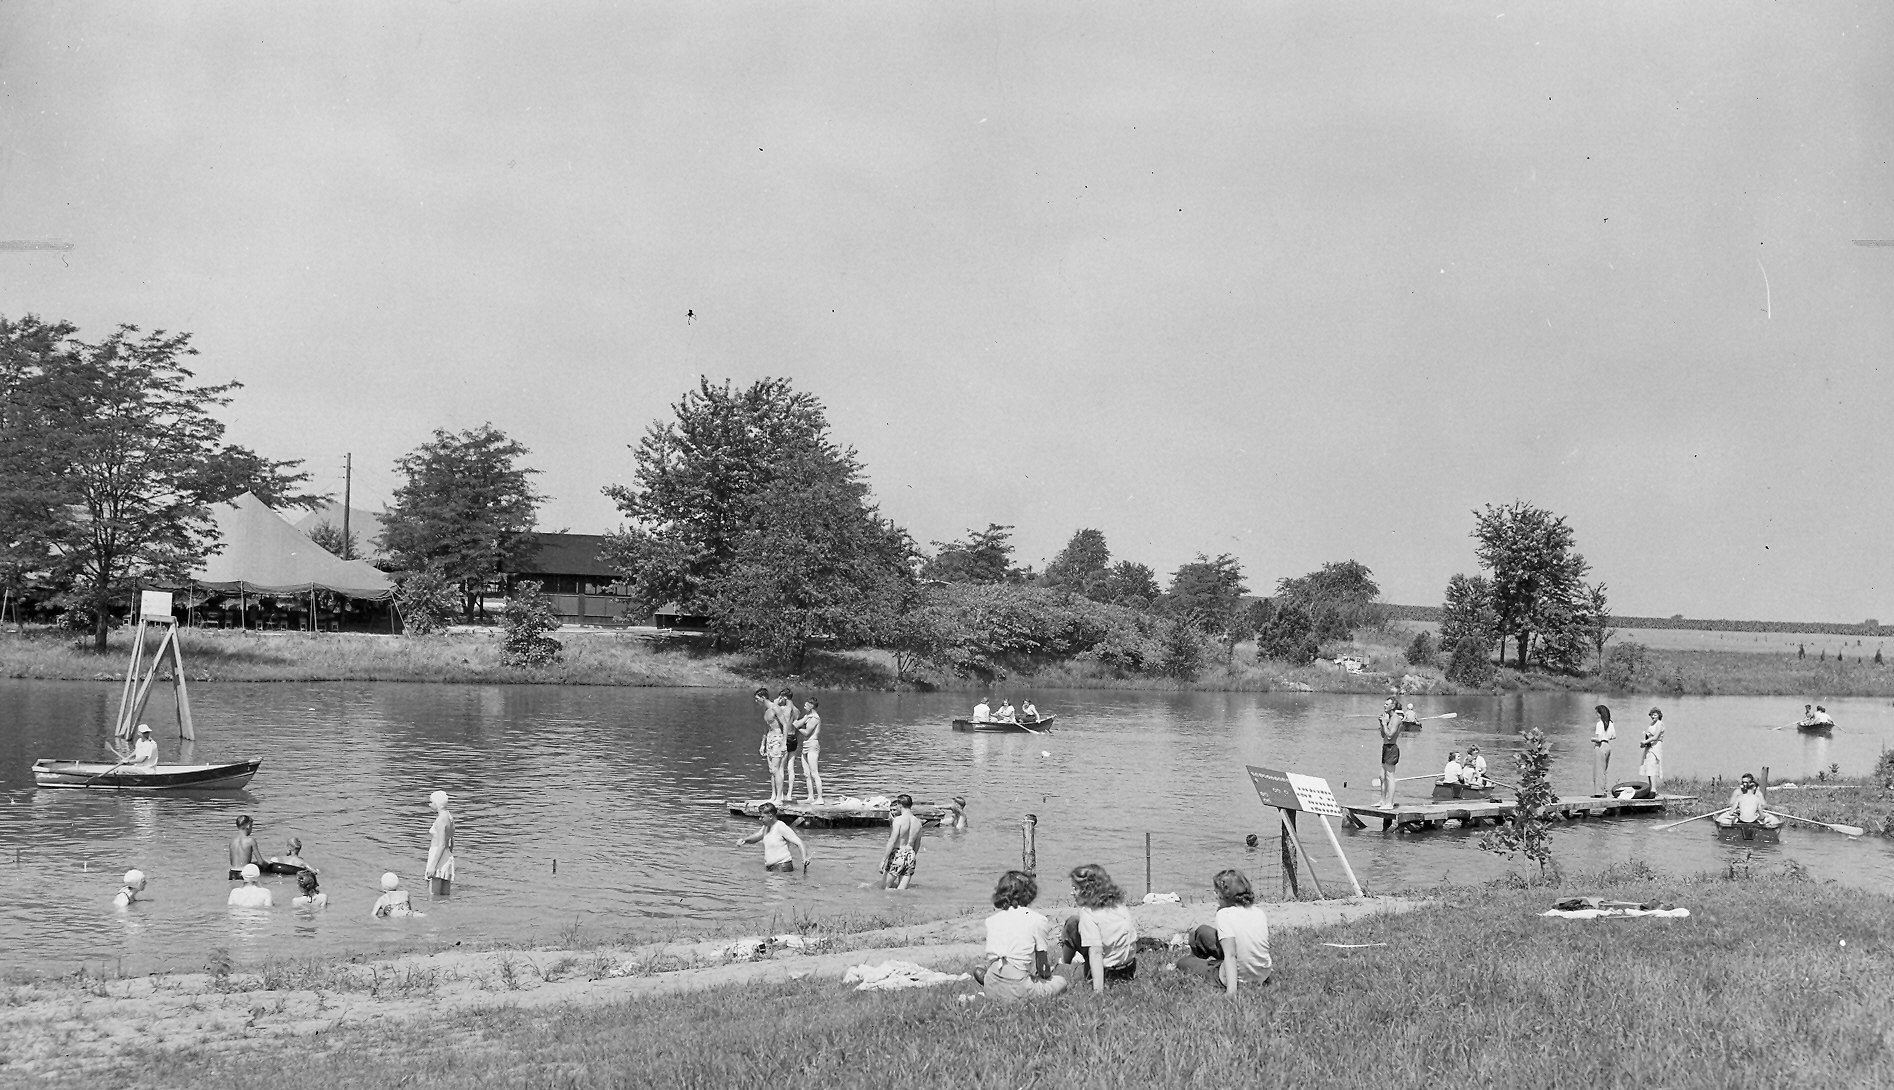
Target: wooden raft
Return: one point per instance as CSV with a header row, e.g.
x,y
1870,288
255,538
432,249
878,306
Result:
x,y
1435,814
825,815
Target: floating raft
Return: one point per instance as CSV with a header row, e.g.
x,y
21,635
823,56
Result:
x,y
1435,814
837,815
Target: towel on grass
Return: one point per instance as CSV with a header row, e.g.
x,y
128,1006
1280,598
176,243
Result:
x,y
890,975
1608,913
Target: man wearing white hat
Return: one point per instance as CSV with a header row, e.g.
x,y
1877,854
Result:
x,y
145,750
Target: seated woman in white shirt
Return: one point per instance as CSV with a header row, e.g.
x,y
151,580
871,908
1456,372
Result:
x,y
1451,774
1236,947
1018,963
1103,933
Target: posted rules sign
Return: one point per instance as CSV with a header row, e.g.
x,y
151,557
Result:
x,y
1289,791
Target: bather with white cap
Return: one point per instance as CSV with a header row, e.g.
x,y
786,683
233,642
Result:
x,y
440,851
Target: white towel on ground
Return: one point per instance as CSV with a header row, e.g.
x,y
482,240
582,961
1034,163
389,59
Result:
x,y
890,975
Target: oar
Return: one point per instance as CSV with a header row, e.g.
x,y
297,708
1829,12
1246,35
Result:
x,y
107,772
1442,715
1688,820
1376,782
1845,830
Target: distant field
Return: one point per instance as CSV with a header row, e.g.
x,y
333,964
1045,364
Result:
x,y
1758,643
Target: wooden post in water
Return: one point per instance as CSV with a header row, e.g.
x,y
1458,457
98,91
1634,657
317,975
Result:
x,y
1028,851
1147,864
1289,886
1289,829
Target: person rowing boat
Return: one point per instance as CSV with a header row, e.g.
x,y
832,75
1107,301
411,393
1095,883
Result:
x,y
1746,806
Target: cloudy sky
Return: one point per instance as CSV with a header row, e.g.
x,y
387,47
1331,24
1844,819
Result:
x,y
1297,282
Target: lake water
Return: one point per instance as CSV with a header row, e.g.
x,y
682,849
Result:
x,y
624,789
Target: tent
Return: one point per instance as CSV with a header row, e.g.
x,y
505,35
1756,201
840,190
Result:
x,y
263,554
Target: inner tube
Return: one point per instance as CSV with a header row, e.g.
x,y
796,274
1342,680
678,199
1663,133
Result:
x,y
1639,789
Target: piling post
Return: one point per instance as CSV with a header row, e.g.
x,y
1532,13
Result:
x,y
1147,864
1028,850
1289,829
1289,887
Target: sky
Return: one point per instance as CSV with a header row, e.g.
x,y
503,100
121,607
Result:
x,y
1297,282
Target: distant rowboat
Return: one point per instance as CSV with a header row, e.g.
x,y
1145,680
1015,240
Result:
x,y
1001,726
99,774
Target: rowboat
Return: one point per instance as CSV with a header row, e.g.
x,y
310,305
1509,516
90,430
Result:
x,y
217,777
1463,791
1000,726
1754,831
1815,728
154,612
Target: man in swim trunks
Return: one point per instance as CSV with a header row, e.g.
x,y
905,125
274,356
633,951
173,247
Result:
x,y
774,748
1746,805
776,837
1389,724
902,854
792,741
243,849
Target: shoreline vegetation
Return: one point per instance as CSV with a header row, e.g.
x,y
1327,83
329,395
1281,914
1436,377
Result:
x,y
1771,980
616,657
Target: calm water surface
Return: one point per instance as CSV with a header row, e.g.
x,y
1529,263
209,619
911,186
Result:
x,y
624,788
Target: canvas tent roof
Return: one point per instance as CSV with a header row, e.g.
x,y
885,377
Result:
x,y
263,554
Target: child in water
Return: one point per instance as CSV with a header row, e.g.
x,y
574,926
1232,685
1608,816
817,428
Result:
x,y
311,895
393,900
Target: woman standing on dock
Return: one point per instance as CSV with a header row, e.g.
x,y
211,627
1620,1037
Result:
x,y
1652,767
809,729
1602,735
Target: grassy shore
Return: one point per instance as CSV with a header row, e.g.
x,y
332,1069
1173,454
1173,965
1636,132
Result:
x,y
1771,981
1845,801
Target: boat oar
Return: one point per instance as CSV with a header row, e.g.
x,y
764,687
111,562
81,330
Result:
x,y
1442,715
1845,830
1688,820
107,772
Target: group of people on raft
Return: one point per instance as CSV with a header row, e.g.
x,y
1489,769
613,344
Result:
x,y
788,737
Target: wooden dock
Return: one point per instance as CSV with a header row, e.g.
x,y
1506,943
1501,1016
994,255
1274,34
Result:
x,y
829,815
1436,814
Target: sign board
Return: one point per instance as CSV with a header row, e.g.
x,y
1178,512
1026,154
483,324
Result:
x,y
154,605
1290,791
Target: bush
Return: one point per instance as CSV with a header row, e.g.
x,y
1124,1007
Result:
x,y
1470,665
1421,651
1183,651
1289,636
425,601
1625,667
1525,832
529,617
1884,769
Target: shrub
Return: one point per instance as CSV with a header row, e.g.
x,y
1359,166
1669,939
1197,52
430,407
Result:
x,y
1421,651
1183,651
1289,636
1884,769
1526,832
425,600
1470,664
529,617
1625,666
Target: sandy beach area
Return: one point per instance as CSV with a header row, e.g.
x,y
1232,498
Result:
x,y
71,1025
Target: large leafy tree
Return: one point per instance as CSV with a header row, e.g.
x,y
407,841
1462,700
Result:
x,y
465,509
1468,627
742,508
1131,585
111,457
1340,598
1538,576
1082,567
1206,596
985,557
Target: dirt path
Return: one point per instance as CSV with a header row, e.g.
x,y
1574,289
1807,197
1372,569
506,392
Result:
x,y
69,1026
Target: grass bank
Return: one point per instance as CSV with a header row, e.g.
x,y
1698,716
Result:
x,y
1770,982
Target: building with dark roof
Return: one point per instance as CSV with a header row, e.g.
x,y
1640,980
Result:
x,y
582,587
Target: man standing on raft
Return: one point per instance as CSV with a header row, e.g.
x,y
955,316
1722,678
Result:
x,y
1389,725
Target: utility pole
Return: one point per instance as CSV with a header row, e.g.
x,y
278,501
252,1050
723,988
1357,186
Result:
x,y
348,472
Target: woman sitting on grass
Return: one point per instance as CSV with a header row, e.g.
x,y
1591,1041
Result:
x,y
1018,961
1236,947
1103,932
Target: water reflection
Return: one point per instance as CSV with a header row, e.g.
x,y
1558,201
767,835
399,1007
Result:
x,y
624,789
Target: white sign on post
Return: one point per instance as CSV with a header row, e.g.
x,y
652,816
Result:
x,y
154,605
1315,795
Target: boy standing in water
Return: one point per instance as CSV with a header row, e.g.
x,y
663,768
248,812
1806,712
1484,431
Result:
x,y
243,849
902,854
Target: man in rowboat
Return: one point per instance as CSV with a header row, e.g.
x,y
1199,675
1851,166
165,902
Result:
x,y
145,750
982,713
1746,806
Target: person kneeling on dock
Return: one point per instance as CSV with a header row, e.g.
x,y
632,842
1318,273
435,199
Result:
x,y
1018,958
1103,934
1746,806
776,838
1236,946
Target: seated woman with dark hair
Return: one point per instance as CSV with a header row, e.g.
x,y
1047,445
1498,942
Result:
x,y
1236,946
1018,961
1103,934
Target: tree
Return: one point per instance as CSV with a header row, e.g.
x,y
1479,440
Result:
x,y
425,599
1525,831
1207,594
1467,616
1595,615
1082,567
1131,585
986,556
1421,651
818,561
1288,634
1537,576
465,509
328,535
529,617
1341,598
111,459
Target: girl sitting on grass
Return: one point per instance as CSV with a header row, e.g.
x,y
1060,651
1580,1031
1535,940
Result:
x,y
1103,932
1236,947
1018,961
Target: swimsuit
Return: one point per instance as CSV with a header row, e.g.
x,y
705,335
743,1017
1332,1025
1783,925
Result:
x,y
1390,754
787,865
903,863
773,742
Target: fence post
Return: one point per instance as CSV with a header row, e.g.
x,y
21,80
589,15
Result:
x,y
1147,864
1289,886
1028,850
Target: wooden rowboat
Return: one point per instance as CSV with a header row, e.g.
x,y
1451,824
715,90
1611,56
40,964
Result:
x,y
998,726
1815,728
1462,791
1754,831
102,775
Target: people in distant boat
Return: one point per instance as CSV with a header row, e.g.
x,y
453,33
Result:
x,y
774,748
1028,713
1651,767
129,892
144,749
809,730
1236,946
440,847
1602,735
309,891
982,713
291,861
251,894
1006,714
1410,719
1746,805
1102,936
243,849
1808,716
792,743
903,851
777,838
1451,773
1018,960
1389,724
393,902
1822,718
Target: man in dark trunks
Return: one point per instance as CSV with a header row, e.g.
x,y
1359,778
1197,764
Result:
x,y
1389,724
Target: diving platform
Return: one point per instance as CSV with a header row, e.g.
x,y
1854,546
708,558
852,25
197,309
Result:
x,y
1408,816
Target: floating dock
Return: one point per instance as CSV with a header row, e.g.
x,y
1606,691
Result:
x,y
851,813
1435,814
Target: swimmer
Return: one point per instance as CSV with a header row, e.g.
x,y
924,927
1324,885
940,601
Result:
x,y
243,849
440,850
250,894
311,895
134,885
393,900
